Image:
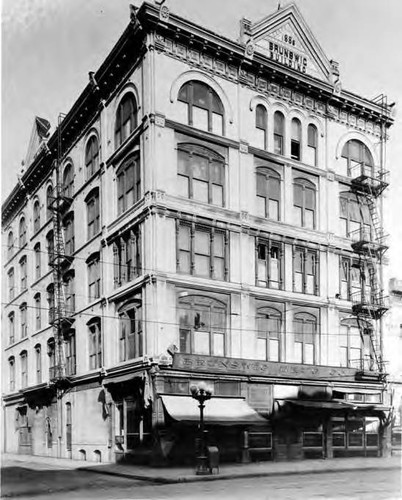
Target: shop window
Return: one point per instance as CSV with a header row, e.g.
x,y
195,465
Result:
x,y
261,125
11,328
201,107
24,320
36,216
23,273
128,184
202,323
95,343
201,174
295,141
269,264
202,251
38,257
68,181
268,193
304,334
38,311
304,203
127,257
11,367
357,159
312,145
92,156
131,334
10,245
22,232
355,218
126,119
38,363
305,271
279,132
93,213
132,425
24,369
269,327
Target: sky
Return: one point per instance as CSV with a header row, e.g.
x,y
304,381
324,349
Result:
x,y
49,46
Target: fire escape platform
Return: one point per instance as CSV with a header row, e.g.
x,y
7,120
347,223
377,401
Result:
x,y
372,248
365,184
373,311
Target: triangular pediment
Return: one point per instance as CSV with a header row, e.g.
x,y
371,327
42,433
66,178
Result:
x,y
286,38
40,132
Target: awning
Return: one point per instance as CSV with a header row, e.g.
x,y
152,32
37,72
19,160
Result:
x,y
357,390
127,377
220,411
323,405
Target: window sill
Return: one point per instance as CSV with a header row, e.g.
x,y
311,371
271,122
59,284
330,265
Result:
x,y
44,226
20,250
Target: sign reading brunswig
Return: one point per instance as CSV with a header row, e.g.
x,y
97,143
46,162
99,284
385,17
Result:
x,y
284,52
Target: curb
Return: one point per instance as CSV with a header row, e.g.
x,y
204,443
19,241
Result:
x,y
227,476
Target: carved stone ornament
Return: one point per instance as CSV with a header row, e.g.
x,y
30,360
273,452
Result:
x,y
159,120
243,148
164,13
249,52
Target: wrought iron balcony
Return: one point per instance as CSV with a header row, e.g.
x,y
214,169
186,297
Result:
x,y
60,199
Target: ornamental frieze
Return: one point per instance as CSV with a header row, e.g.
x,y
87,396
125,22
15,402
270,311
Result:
x,y
219,67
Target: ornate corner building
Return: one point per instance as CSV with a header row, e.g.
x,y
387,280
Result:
x,y
208,210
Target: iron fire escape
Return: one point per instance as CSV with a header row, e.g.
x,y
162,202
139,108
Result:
x,y
59,316
369,242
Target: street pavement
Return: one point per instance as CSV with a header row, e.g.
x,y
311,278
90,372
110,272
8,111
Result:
x,y
40,477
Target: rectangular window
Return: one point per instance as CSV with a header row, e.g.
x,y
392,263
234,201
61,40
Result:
x,y
12,373
269,264
127,257
93,216
70,355
95,346
201,251
11,284
305,271
24,370
37,262
24,326
11,328
23,270
38,355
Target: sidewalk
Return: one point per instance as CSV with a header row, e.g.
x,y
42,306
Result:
x,y
165,475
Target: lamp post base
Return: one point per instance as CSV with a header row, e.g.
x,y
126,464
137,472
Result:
x,y
202,466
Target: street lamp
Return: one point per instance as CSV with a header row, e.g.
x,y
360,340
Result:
x,y
202,393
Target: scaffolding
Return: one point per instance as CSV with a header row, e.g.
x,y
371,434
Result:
x,y
60,317
369,303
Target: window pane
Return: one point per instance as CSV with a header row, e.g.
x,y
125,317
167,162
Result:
x,y
200,167
309,354
219,242
217,172
182,111
184,262
200,94
273,207
219,344
202,266
259,138
200,190
310,156
200,118
217,195
273,350
298,195
202,242
298,262
278,123
261,349
183,187
297,213
278,140
201,342
298,282
261,206
310,199
184,238
297,352
219,268
310,282
184,340
312,136
217,124
262,272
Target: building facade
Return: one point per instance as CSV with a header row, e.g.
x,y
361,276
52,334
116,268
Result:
x,y
208,210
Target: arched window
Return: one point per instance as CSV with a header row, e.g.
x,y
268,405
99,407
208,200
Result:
x,y
38,362
93,213
95,343
49,201
268,193
11,284
51,352
50,246
128,184
70,352
357,159
36,216
279,132
261,125
201,174
23,273
355,218
68,181
24,368
295,141
51,302
22,232
202,323
69,292
304,334
202,107
69,234
38,257
38,311
11,365
126,119
131,335
304,203
92,156
11,327
94,281
10,245
24,320
312,145
269,327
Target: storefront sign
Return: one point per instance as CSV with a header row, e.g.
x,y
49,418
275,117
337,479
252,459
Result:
x,y
256,368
